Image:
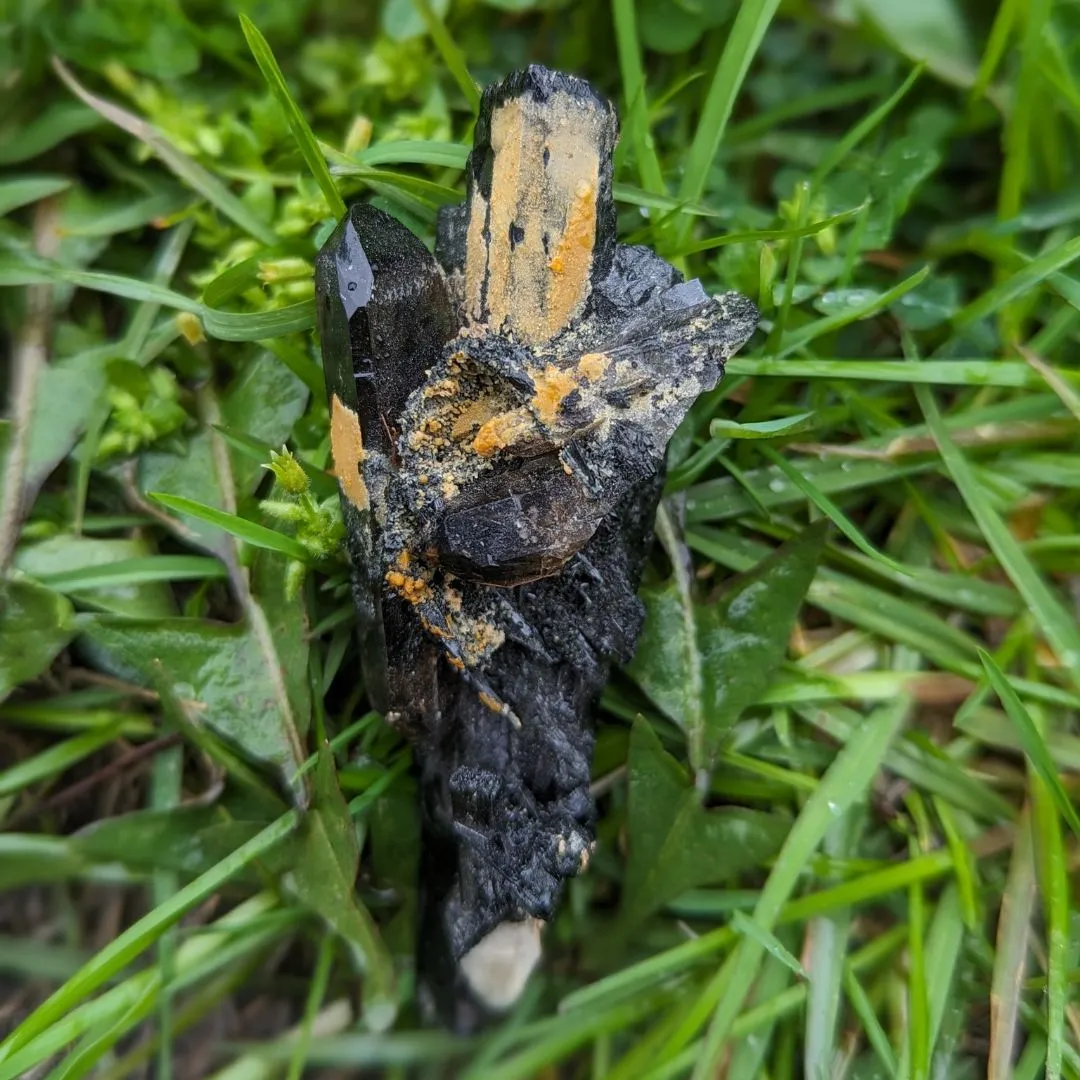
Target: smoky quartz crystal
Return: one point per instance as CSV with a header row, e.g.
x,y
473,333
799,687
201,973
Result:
x,y
499,415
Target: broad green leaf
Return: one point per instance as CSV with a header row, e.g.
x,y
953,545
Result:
x,y
676,844
186,839
703,664
67,393
323,878
78,564
673,26
221,674
401,21
35,624
934,32
265,401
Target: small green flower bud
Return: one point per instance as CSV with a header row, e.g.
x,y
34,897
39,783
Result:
x,y
288,472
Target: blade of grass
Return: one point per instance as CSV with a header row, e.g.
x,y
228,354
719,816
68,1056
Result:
x,y
23,190
748,928
801,337
190,172
240,933
1055,623
846,781
56,759
1010,960
842,148
1002,373
872,1029
316,993
115,956
829,509
251,532
1019,284
918,1023
633,81
743,41
166,788
760,235
721,428
225,325
1031,740
136,572
452,56
1054,882
301,129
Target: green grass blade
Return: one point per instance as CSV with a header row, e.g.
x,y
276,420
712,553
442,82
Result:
x,y
136,572
138,937
747,927
251,532
843,147
452,56
1055,623
633,81
190,172
1011,953
1019,284
801,337
829,509
1031,740
760,235
301,129
846,781
56,759
1051,860
743,41
721,428
23,190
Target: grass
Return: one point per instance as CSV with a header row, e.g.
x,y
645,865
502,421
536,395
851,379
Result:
x,y
192,885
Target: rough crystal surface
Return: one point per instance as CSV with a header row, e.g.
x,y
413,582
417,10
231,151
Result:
x,y
505,407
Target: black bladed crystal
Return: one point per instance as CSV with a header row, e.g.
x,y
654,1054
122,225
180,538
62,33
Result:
x,y
499,418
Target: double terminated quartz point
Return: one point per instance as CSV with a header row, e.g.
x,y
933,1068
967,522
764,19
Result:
x,y
499,415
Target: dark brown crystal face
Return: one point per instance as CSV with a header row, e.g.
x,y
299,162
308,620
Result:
x,y
499,418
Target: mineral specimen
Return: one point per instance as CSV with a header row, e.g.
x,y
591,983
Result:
x,y
499,417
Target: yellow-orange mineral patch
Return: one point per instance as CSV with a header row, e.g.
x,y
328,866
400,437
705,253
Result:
x,y
413,589
502,431
552,385
493,703
572,260
347,450
593,365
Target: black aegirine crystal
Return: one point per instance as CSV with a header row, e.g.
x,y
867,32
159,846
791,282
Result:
x,y
499,416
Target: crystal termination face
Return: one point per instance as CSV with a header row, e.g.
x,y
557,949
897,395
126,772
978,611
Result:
x,y
499,418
